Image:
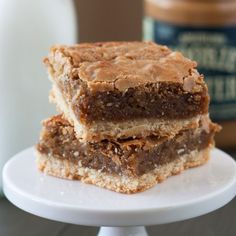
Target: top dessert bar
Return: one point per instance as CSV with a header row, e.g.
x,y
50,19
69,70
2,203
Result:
x,y
121,89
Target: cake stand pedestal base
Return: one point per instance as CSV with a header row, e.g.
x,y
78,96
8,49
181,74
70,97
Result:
x,y
123,231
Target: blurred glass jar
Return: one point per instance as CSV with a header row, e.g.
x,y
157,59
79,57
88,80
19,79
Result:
x,y
27,30
204,30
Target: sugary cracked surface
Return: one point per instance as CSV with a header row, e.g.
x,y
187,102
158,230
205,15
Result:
x,y
125,80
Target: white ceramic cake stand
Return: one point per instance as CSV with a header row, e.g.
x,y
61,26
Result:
x,y
195,192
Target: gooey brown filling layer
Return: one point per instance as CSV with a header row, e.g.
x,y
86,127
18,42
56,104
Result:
x,y
163,100
131,157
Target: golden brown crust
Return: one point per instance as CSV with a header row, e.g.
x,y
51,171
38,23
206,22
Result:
x,y
121,65
123,184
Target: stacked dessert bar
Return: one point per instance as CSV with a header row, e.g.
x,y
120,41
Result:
x,y
132,114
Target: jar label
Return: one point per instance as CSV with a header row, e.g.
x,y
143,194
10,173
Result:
x,y
214,49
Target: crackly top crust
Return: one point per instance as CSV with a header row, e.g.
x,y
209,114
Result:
x,y
121,65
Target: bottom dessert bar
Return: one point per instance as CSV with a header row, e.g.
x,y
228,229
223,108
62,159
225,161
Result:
x,y
126,166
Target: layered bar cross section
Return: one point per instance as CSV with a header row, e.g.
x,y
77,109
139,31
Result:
x,y
132,114
126,166
126,89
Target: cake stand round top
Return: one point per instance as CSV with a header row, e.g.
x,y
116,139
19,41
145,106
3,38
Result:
x,y
195,192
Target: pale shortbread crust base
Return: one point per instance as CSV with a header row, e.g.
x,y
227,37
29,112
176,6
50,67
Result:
x,y
115,130
64,168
